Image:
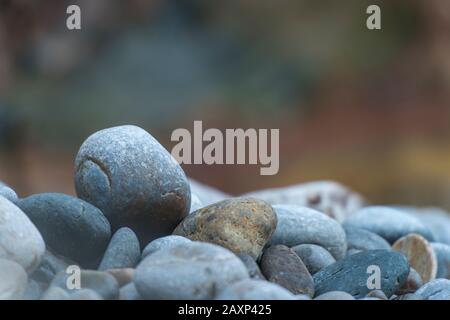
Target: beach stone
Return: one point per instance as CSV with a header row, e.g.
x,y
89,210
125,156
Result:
x,y
207,194
301,225
13,280
352,251
281,265
123,251
51,264
136,183
413,282
438,289
85,294
33,290
8,193
166,242
252,267
377,294
129,292
20,240
123,276
420,255
435,219
251,289
101,282
55,293
70,227
335,295
389,223
241,225
350,274
329,197
193,271
363,240
408,296
442,252
302,297
314,257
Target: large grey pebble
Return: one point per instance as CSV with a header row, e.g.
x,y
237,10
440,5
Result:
x,y
314,257
166,242
438,289
363,240
13,280
442,252
251,289
20,241
195,270
7,192
128,174
301,225
123,251
70,226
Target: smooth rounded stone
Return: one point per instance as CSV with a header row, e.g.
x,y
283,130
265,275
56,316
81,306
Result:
x,y
85,294
438,289
408,296
302,297
128,174
196,203
301,225
442,252
34,290
7,192
377,294
252,267
420,255
335,295
123,276
192,271
363,240
389,223
166,242
251,289
352,251
71,227
329,197
123,251
129,292
51,264
55,293
13,280
371,298
281,265
207,194
352,276
20,240
101,282
413,282
243,225
314,257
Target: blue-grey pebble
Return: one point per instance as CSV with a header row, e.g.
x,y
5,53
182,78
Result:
x,y
123,251
196,270
166,242
252,267
363,240
55,293
442,252
251,289
335,295
13,280
85,294
34,290
70,226
8,193
389,223
51,264
300,225
351,275
314,257
438,289
129,292
128,174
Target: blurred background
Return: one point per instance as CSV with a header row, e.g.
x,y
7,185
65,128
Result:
x,y
370,109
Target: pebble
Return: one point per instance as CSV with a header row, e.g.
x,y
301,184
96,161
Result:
x,y
438,289
136,183
352,251
85,294
207,195
335,295
435,219
389,223
101,282
122,276
71,227
314,257
166,242
377,294
55,293
420,255
301,225
281,265
363,240
329,197
20,241
13,280
408,296
350,274
239,224
34,290
51,264
413,282
251,289
7,192
193,271
129,292
442,252
123,251
252,267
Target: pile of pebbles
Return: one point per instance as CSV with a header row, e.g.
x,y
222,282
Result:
x,y
140,229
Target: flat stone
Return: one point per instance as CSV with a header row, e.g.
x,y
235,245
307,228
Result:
x,y
34,290
251,289
314,257
335,295
281,265
20,241
363,240
13,280
193,271
351,274
420,255
389,223
301,225
166,242
241,225
123,251
329,197
252,267
438,289
133,180
8,193
413,282
70,226
442,252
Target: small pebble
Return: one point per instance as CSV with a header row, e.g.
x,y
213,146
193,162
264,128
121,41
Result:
x,y
252,267
13,280
129,292
413,282
377,294
55,293
85,294
166,242
34,290
50,265
122,276
435,219
442,252
438,289
251,289
408,296
335,295
123,251
363,240
314,257
8,193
